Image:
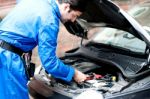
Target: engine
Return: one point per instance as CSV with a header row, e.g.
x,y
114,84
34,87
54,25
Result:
x,y
101,79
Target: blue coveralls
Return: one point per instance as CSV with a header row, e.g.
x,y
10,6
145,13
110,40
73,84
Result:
x,y
17,1
31,23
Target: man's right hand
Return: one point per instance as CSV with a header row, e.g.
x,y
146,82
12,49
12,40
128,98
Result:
x,y
79,76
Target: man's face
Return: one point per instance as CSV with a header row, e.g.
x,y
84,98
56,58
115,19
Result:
x,y
69,15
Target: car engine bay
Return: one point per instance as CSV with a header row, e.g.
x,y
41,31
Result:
x,y
103,77
104,82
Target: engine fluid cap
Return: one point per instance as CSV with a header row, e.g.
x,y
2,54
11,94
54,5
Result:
x,y
113,78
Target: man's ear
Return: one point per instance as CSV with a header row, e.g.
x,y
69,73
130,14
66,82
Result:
x,y
67,7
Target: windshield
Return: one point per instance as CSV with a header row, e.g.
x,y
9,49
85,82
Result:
x,y
124,39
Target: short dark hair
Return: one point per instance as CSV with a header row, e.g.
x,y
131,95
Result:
x,y
79,5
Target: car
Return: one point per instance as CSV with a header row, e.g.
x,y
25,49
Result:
x,y
116,58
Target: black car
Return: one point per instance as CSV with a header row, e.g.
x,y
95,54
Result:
x,y
116,58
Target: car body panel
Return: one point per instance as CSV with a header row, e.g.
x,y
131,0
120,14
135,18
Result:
x,y
110,15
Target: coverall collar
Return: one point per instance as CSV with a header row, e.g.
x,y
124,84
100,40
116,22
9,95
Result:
x,y
55,6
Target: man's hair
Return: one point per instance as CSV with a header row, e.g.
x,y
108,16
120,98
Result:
x,y
78,5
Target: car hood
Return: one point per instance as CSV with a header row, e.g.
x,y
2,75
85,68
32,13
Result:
x,y
107,14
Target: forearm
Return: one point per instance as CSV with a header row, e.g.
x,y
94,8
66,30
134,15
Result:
x,y
57,68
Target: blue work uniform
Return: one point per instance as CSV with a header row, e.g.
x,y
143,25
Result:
x,y
31,23
18,1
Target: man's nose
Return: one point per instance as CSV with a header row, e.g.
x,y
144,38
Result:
x,y
73,20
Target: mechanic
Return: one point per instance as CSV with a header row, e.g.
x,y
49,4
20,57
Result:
x,y
32,23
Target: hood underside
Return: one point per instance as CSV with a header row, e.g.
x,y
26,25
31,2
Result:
x,y
106,14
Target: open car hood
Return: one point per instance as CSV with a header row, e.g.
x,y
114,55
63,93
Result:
x,y
107,14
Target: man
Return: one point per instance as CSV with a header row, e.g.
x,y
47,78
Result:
x,y
31,23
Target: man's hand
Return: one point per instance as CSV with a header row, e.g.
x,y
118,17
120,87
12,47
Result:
x,y
79,76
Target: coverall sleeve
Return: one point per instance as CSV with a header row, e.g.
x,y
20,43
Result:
x,y
47,42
